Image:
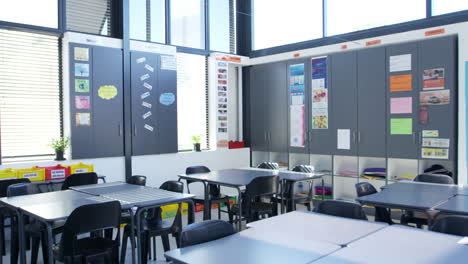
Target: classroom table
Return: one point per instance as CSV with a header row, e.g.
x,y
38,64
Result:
x,y
47,208
233,178
455,205
253,246
411,186
317,227
401,244
137,197
56,185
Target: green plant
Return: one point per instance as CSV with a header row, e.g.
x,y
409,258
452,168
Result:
x,y
196,139
60,144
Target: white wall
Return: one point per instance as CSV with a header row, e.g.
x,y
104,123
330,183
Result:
x,y
460,29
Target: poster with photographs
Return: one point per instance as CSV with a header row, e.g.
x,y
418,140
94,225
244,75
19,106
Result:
x,y
222,103
319,93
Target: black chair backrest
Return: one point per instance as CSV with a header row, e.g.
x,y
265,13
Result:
x,y
22,189
205,231
196,169
262,186
80,179
173,186
364,188
452,224
137,180
304,168
346,209
434,178
86,219
268,165
5,183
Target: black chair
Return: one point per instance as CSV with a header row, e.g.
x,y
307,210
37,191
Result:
x,y
340,208
299,198
80,179
258,199
420,219
154,226
451,224
87,219
381,213
214,193
137,180
205,231
6,213
268,165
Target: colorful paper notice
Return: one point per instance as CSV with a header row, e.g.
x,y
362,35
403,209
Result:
x,y
81,86
320,118
434,153
107,92
83,119
81,54
400,83
436,142
81,70
297,127
434,79
168,63
430,133
297,107
167,98
82,102
343,139
319,93
148,127
401,105
401,126
400,63
440,97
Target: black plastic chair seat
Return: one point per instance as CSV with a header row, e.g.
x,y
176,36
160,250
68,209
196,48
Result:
x,y
36,227
259,207
89,246
205,231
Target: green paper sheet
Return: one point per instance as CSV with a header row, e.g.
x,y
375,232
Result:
x,y
401,126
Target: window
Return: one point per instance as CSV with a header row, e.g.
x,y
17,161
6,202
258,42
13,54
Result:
x,y
42,13
89,16
287,22
192,99
148,20
440,7
29,95
188,23
220,19
348,16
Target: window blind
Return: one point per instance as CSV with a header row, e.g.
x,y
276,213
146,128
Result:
x,y
89,16
29,95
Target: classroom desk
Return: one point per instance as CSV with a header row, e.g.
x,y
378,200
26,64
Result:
x,y
56,185
253,246
140,197
411,186
455,205
401,244
233,178
305,225
47,208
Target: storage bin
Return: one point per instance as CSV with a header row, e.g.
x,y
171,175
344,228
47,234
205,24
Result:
x,y
168,211
33,174
58,172
81,168
8,174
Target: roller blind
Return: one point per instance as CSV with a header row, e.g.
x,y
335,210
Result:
x,y
89,16
29,95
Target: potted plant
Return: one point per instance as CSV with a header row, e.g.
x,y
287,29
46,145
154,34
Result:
x,y
196,142
60,145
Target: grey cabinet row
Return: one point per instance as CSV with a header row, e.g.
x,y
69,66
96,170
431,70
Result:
x,y
359,98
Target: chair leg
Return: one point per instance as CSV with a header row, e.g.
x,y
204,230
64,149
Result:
x,y
209,210
2,234
177,239
165,241
219,211
123,250
45,252
35,249
154,248
228,205
308,206
14,242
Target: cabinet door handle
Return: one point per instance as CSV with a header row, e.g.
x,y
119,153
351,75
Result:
x,y
134,130
266,136
354,136
414,137
359,136
120,130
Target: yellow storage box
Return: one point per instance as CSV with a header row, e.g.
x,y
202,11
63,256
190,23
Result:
x,y
168,211
81,168
33,174
8,174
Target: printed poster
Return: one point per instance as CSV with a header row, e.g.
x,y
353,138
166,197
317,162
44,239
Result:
x,y
222,100
439,97
297,128
434,79
436,142
401,105
319,93
81,86
320,98
343,139
430,133
401,126
320,118
401,83
83,119
81,70
168,63
297,107
296,84
434,153
400,63
82,102
81,54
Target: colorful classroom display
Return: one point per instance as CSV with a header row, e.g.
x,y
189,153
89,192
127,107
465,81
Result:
x,y
37,174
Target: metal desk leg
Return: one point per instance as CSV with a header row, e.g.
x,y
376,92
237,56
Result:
x,y
206,204
191,212
138,242
50,242
22,246
293,201
240,208
283,185
132,235
323,189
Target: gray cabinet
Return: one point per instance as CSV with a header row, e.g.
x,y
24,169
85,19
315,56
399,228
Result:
x,y
371,102
343,94
404,145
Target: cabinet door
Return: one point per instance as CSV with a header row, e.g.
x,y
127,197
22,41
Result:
x,y
167,108
277,111
258,107
371,102
440,54
343,83
144,103
296,85
402,127
107,106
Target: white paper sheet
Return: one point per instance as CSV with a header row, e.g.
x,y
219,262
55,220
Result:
x,y
344,139
297,126
400,63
